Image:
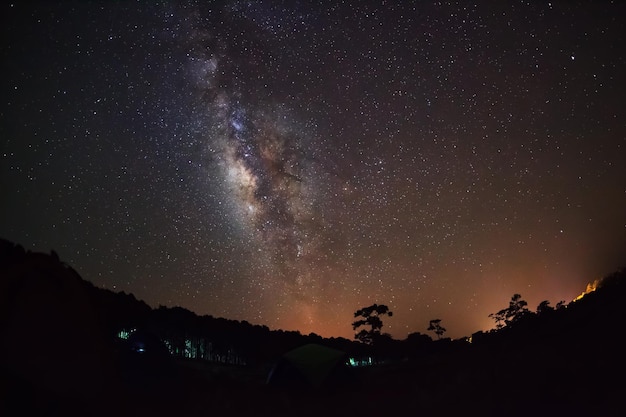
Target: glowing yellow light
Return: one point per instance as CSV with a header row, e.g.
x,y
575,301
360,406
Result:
x,y
591,287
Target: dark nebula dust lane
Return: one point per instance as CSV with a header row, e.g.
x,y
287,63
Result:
x,y
288,163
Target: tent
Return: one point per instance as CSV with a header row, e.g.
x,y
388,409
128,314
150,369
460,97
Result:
x,y
147,343
310,365
145,354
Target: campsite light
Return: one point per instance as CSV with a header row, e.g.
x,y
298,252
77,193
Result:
x,y
139,347
360,362
124,334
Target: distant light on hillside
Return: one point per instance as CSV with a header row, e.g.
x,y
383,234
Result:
x,y
591,287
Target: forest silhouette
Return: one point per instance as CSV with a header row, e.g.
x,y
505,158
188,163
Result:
x,y
70,348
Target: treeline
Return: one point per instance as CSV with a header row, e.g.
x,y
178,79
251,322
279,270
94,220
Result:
x,y
43,298
41,295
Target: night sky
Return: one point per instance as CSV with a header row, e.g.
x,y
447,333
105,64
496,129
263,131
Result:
x,y
287,163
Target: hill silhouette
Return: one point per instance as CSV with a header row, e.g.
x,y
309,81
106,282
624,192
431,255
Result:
x,y
70,348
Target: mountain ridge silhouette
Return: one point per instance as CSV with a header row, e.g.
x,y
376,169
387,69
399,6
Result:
x,y
62,354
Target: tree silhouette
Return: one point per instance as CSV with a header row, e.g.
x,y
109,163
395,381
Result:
x,y
370,317
516,310
435,326
544,307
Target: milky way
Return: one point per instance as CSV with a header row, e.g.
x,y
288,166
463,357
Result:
x,y
288,163
265,166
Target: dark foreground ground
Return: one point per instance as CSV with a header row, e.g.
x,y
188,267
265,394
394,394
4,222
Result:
x,y
489,382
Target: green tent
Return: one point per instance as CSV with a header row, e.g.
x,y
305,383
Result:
x,y
311,365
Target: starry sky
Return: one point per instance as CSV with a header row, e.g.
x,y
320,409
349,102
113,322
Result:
x,y
289,162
